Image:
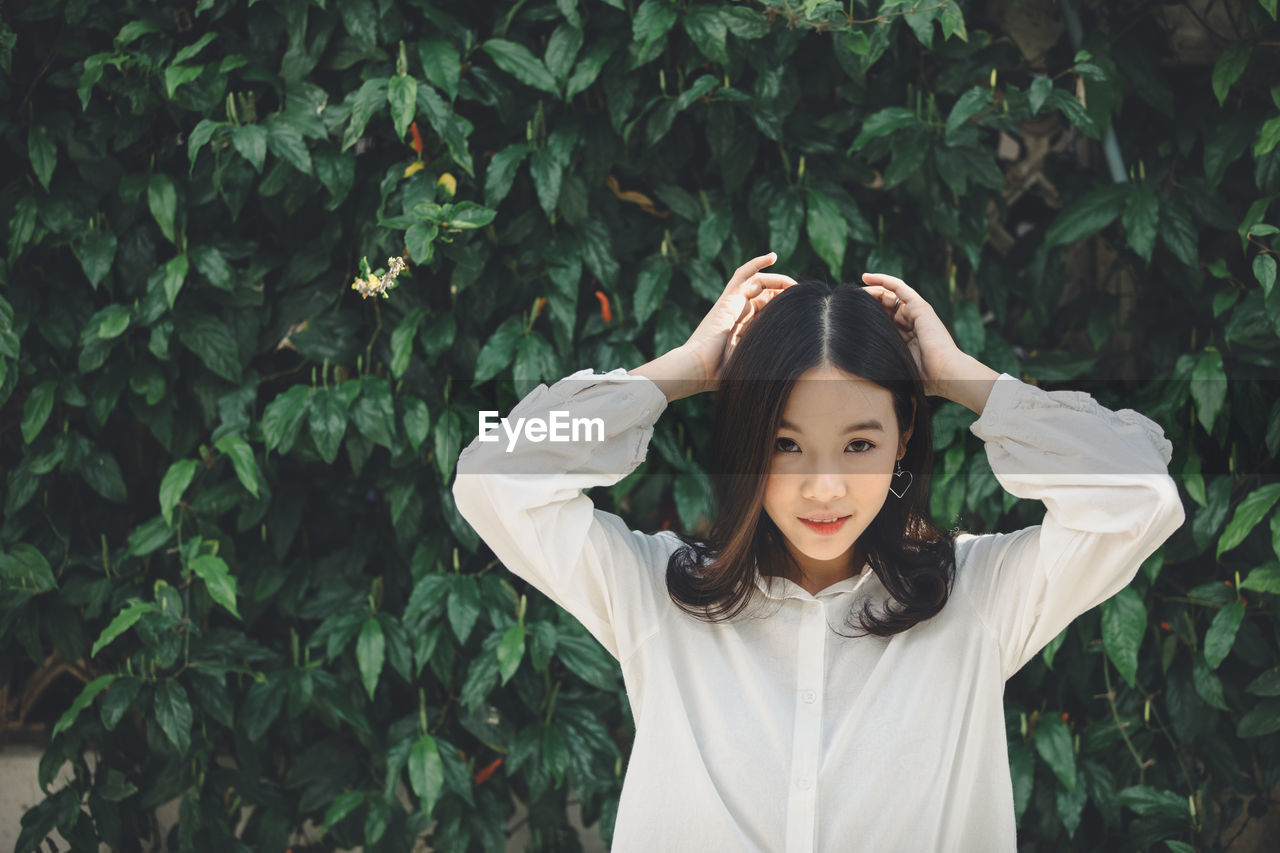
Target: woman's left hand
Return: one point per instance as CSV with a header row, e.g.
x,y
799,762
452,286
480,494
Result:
x,y
931,345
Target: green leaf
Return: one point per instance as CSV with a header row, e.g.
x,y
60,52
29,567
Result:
x,y
587,659
547,172
192,50
420,241
97,252
1087,215
43,154
175,482
374,412
150,536
370,653
555,753
200,136
562,49
745,22
426,773
25,567
1264,270
1230,65
652,20
1249,512
441,65
402,95
1207,683
173,713
973,102
1264,579
82,701
1146,800
102,472
883,123
1141,215
177,75
828,231
35,412
217,578
1124,621
463,606
706,28
1263,719
1209,390
416,420
497,352
162,198
341,806
364,103
114,320
175,273
501,172
250,141
519,62
402,341
328,422
1221,635
590,63
211,340
1053,742
122,622
22,226
282,419
1268,137
286,142
510,652
786,215
466,215
652,282
1266,684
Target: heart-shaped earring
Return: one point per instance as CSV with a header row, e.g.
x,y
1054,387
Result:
x,y
898,480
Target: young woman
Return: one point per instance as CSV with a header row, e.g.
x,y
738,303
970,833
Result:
x,y
826,671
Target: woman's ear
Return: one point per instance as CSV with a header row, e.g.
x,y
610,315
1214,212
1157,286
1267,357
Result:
x,y
904,436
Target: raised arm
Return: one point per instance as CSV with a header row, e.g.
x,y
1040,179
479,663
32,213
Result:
x,y
521,487
1102,476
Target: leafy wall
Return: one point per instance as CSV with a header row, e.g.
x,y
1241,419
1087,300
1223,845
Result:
x,y
226,474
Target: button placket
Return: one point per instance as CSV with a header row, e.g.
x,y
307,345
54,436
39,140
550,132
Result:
x,y
810,666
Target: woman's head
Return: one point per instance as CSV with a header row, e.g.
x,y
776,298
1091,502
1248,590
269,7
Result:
x,y
818,402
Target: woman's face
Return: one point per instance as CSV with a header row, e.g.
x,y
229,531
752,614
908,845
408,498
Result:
x,y
833,456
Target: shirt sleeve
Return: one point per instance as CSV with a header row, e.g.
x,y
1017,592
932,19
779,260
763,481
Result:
x,y
524,497
1109,501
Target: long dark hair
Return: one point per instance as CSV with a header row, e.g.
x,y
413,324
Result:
x,y
809,325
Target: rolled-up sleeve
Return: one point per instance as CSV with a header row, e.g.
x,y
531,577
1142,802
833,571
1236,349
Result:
x,y
1110,503
524,497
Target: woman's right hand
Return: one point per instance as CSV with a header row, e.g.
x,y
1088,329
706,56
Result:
x,y
717,335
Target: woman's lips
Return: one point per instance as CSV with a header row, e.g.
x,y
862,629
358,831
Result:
x,y
825,528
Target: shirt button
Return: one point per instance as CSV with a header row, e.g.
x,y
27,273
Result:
x,y
804,783
808,696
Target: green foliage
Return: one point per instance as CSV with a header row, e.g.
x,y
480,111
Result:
x,y
227,477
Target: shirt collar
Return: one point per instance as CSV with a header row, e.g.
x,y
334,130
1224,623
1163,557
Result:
x,y
775,587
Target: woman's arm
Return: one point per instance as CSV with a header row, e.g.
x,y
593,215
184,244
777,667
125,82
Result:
x,y
525,499
1109,504
522,490
1102,475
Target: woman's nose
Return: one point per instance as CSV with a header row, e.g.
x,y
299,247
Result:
x,y
823,485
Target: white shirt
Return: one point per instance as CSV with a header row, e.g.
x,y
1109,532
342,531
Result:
x,y
771,733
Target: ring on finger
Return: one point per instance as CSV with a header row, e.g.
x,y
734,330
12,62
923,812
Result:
x,y
897,302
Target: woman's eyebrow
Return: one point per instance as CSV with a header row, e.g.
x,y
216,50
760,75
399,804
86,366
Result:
x,y
858,427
